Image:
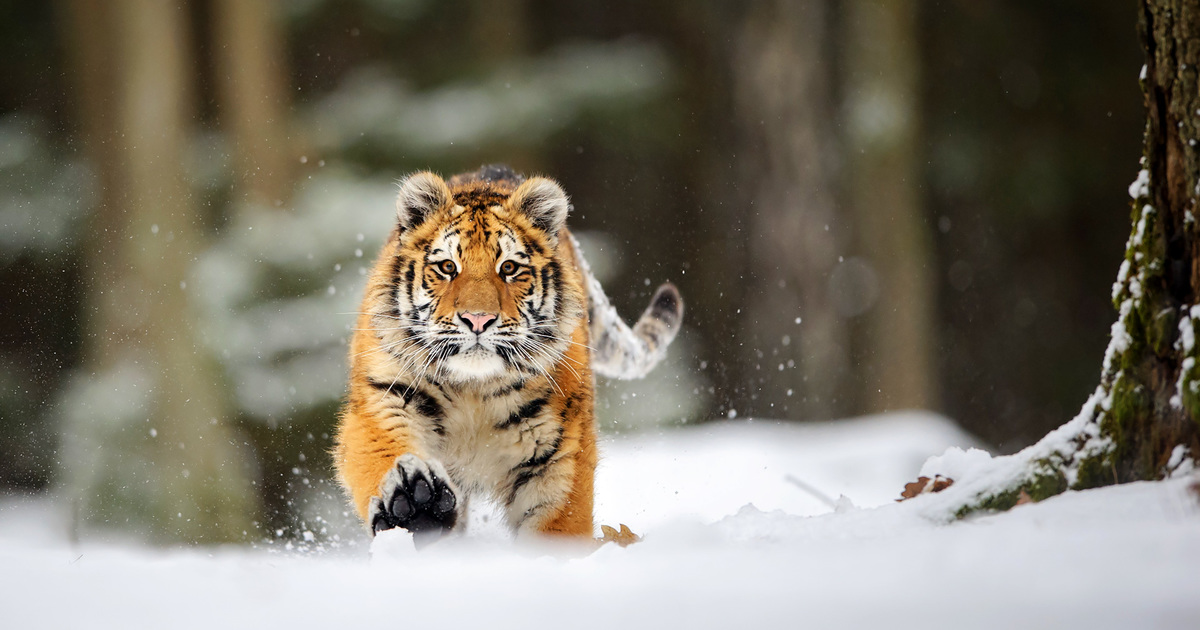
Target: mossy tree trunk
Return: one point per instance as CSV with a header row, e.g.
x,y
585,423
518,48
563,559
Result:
x,y
1142,421
1154,379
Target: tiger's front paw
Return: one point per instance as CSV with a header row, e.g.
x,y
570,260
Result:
x,y
418,496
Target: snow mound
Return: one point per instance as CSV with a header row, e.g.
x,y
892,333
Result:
x,y
729,541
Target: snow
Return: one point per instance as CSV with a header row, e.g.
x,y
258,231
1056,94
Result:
x,y
1139,235
1186,343
729,541
1122,278
1181,463
1119,338
1140,186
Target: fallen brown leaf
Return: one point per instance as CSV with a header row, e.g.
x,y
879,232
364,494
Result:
x,y
1024,498
925,485
623,537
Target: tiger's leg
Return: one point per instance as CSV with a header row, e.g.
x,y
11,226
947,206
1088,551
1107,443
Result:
x,y
555,497
390,483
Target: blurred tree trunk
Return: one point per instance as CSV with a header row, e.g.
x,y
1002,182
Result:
x,y
252,86
147,450
499,34
1143,421
881,71
499,29
795,342
87,28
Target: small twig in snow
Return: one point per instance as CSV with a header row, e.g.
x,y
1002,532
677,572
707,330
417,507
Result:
x,y
820,496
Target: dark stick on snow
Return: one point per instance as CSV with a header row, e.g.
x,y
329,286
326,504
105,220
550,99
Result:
x,y
821,496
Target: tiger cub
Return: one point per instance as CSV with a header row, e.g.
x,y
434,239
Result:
x,y
472,362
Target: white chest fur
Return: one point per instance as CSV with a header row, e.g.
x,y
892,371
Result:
x,y
481,445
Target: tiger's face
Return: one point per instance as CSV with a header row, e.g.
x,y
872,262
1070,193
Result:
x,y
479,290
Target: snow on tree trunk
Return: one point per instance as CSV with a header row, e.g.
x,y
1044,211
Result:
x,y
1141,422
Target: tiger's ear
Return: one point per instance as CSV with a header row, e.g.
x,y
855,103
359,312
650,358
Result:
x,y
421,194
544,202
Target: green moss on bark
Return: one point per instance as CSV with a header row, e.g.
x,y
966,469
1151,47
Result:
x,y
1047,482
1161,329
1129,402
1096,471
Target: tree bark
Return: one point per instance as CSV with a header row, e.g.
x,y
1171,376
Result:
x,y
87,26
1151,371
881,69
1144,418
252,85
797,342
148,449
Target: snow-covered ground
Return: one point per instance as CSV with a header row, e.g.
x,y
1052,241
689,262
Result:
x,y
731,540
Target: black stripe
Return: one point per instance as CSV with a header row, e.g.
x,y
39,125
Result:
x,y
410,274
508,389
541,460
506,354
534,467
397,263
524,477
424,404
427,405
525,412
383,387
534,245
396,276
557,281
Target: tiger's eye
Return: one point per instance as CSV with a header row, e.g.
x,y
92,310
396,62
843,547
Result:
x,y
508,268
448,267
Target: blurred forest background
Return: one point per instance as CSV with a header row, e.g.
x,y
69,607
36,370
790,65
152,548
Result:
x,y
868,205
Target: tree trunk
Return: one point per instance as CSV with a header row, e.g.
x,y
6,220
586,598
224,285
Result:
x,y
1142,421
796,340
147,447
1151,371
893,238
87,26
252,85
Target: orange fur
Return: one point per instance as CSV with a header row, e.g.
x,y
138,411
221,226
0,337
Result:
x,y
574,518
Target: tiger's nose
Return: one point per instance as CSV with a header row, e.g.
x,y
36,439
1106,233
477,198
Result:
x,y
477,322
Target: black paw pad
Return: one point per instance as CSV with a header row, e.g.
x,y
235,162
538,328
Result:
x,y
417,496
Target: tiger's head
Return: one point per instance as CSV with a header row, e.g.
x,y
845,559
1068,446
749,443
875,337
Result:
x,y
480,287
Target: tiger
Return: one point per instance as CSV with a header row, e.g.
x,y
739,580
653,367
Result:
x,y
472,361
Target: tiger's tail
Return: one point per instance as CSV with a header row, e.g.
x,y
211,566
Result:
x,y
619,351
